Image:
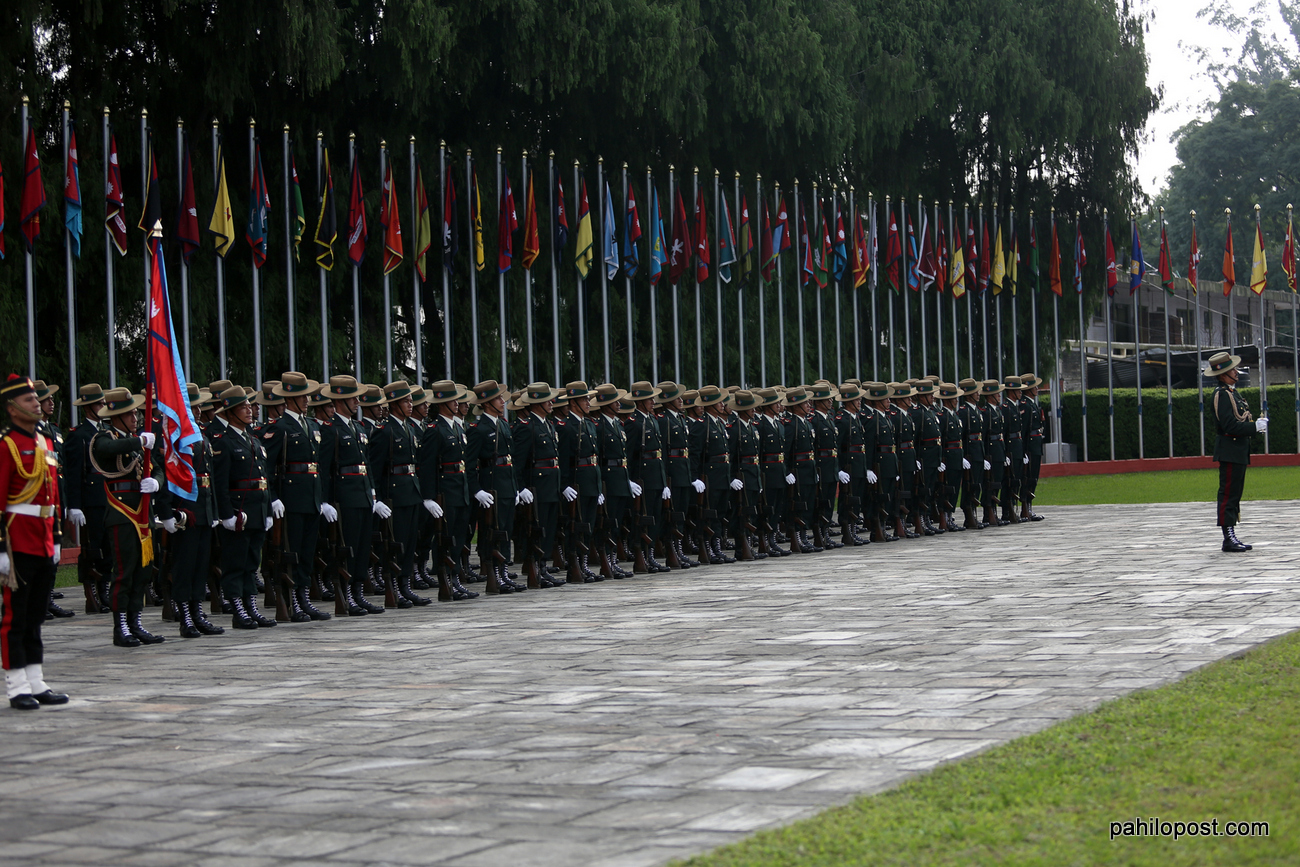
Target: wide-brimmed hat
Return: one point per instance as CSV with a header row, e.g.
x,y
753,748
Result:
x,y
538,392
397,390
319,399
1011,383
607,393
969,386
991,386
796,396
577,390
219,387
821,390
118,401
267,396
848,392
876,390
231,398
642,391
900,389
923,386
419,397
488,389
1221,363
342,387
294,384
626,405
373,396
744,399
933,378
1030,380
669,391
948,390
709,395
89,393
465,393
443,391
767,396
688,398
43,390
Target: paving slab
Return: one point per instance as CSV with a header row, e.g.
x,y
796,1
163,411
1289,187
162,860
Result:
x,y
624,723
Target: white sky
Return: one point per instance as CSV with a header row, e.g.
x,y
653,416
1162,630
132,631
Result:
x,y
1173,31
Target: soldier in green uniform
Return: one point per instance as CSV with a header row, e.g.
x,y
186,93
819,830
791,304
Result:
x,y
1013,436
955,465
878,442
191,544
1033,422
826,445
677,493
853,466
493,479
900,415
800,470
117,452
771,499
929,452
392,460
579,480
712,466
537,459
746,474
1236,428
611,445
975,464
86,500
995,448
645,462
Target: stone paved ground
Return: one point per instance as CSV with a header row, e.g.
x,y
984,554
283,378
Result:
x,y
622,723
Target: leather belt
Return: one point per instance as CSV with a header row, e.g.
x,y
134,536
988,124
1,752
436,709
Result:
x,y
586,462
974,438
929,440
904,445
679,453
1014,436
548,464
1037,434
994,438
652,455
886,450
749,460
353,470
719,459
857,450
453,467
621,462
402,470
802,456
954,444
310,467
506,461
31,510
124,487
205,481
248,485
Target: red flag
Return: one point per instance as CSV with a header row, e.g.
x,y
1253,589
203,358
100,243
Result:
x,y
1229,262
985,259
860,261
893,249
1288,250
972,258
532,240
941,261
1194,262
766,254
507,224
782,226
450,225
390,222
1166,267
701,238
166,386
187,218
927,267
423,225
807,268
357,232
29,224
115,202
823,257
1112,271
679,255
1054,263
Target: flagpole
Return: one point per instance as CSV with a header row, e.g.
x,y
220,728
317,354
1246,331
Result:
x,y
654,315
221,262
959,239
526,181
890,298
501,277
699,327
1137,348
1015,332
581,284
67,261
1169,378
1057,381
872,243
677,353
604,273
740,295
1295,335
447,221
853,289
1110,352
717,275
780,288
324,296
470,197
970,290
997,302
288,265
1083,360
798,278
555,270
1033,306
938,301
144,185
627,292
819,210
903,288
356,272
417,305
1195,260
920,290
1263,349
762,290
388,297
108,264
835,221
1231,337
185,268
984,297
257,286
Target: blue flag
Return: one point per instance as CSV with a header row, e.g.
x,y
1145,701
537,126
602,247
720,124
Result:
x,y
608,243
72,197
841,245
1137,268
726,244
631,234
658,251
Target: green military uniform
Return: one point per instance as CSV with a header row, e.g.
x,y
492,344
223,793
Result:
x,y
953,436
675,433
744,445
392,460
239,482
851,446
192,543
645,462
1236,428
579,471
801,463
1013,433
882,451
771,456
1032,424
537,458
905,442
711,459
346,485
995,449
826,442
929,451
85,504
972,423
611,445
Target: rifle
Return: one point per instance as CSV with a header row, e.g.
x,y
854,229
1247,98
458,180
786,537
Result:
x,y
491,539
745,551
165,562
576,541
392,567
214,574
337,568
705,526
279,583
643,520
673,521
532,545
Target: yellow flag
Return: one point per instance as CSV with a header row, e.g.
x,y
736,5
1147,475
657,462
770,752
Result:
x,y
1013,266
957,273
478,227
999,263
222,224
583,256
1259,267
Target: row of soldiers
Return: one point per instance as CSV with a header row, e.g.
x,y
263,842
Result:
x,y
345,490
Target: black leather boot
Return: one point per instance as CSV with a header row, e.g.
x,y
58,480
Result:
x,y
54,610
240,619
458,591
122,636
405,589
138,630
185,617
296,614
304,602
719,553
200,619
359,597
1231,544
354,610
250,606
506,583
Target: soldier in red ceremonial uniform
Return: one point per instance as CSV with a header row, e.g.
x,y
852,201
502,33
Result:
x,y
30,540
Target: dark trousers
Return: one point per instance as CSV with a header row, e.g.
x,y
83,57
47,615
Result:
x,y
304,533
719,501
1031,477
1232,479
993,485
972,485
615,514
357,525
129,575
405,523
191,551
22,611
682,499
801,507
448,544
241,555
653,503
774,503
94,554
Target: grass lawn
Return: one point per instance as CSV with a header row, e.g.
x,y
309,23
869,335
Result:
x,y
1220,744
1178,486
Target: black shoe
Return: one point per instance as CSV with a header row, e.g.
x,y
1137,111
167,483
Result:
x,y
138,630
53,610
50,697
25,702
304,602
239,618
1231,544
250,606
458,591
122,636
354,610
362,602
201,621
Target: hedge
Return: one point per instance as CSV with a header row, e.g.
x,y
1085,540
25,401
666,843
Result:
x,y
1187,442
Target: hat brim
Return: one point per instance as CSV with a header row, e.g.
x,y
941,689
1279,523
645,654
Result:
x,y
654,393
345,394
1034,383
983,390
312,388
600,400
50,391
137,401
701,401
786,401
1236,362
528,400
87,401
261,399
222,406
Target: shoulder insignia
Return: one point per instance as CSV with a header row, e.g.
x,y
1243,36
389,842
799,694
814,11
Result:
x,y
268,435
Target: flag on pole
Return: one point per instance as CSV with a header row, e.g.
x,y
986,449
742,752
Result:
x,y
476,222
726,243
972,258
507,224
609,241
841,245
187,215
1112,272
1288,251
423,225
1054,262
72,196
631,234
746,249
658,249
873,245
259,212
1229,262
1259,262
29,224
925,264
781,231
166,386
822,257
1137,266
583,254
983,280
861,263
532,237
222,222
327,230
1165,266
358,234
700,237
115,203
913,274
390,222
450,223
957,273
679,255
767,249
1194,261
1080,258
806,271
298,225
940,259
152,214
893,250
560,226
999,270
1013,258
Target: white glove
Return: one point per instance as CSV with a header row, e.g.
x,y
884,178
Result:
x,y
965,464
636,489
843,477
485,499
4,563
1026,460
1261,425
668,493
569,494
169,524
434,509
216,522
329,513
381,509
1006,461
58,553
525,497
987,465
737,485
277,509
269,522
148,485
600,499
146,439
77,517
872,477
943,468
229,523
698,486
918,466
789,478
